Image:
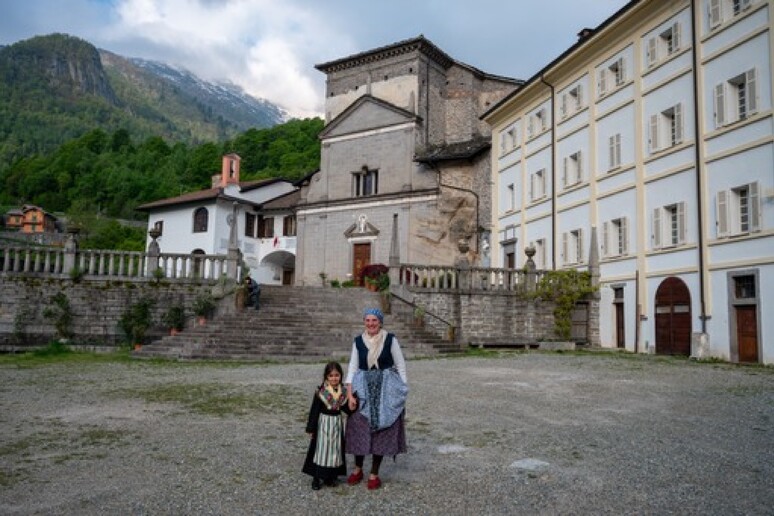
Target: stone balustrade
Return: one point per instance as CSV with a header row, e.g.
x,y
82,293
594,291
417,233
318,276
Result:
x,y
93,264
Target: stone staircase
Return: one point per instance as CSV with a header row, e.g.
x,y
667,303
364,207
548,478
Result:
x,y
294,324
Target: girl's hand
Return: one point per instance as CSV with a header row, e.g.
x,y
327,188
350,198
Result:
x,y
352,403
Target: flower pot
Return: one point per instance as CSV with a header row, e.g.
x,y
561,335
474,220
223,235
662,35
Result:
x,y
137,347
173,331
201,320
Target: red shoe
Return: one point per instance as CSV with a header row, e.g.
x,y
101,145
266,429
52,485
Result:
x,y
355,478
374,483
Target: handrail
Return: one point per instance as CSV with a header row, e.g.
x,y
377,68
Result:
x,y
452,327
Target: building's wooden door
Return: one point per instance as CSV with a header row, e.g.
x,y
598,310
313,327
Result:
x,y
747,333
287,277
361,258
620,341
673,318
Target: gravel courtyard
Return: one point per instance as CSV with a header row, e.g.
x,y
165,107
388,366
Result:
x,y
508,433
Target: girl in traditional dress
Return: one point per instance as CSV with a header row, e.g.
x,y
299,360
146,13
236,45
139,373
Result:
x,y
325,426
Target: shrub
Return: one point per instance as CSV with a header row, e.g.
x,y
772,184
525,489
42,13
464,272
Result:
x,y
373,271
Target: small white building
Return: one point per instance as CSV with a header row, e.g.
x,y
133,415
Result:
x,y
656,129
198,222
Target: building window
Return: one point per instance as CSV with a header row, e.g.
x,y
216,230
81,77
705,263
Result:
x,y
744,287
572,101
669,226
289,225
200,219
540,253
511,192
666,129
615,237
265,227
508,139
572,247
365,183
159,226
250,224
738,211
573,170
721,11
612,76
537,185
664,45
736,99
614,156
537,123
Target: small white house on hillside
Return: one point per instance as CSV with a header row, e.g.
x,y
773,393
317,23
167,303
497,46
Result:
x,y
197,222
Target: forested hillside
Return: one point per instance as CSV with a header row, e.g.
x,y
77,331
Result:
x,y
55,88
111,174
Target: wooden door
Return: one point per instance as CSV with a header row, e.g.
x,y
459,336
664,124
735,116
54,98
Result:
x,y
361,258
747,333
620,341
287,277
673,318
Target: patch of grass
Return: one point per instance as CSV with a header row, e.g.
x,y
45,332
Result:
x,y
57,353
220,400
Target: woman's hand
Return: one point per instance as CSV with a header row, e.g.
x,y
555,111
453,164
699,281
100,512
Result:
x,y
352,403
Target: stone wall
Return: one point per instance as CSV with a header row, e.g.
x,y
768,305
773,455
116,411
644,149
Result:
x,y
96,306
482,317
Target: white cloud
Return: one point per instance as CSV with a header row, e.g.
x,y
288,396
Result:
x,y
270,47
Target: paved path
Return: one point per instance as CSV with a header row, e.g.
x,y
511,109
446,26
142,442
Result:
x,y
523,433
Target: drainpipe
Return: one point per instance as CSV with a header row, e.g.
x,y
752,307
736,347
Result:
x,y
553,173
699,183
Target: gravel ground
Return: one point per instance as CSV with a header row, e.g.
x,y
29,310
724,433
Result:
x,y
511,433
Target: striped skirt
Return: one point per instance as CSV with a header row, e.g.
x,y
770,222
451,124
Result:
x,y
328,453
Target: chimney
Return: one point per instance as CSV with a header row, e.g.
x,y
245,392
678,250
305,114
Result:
x,y
229,172
585,33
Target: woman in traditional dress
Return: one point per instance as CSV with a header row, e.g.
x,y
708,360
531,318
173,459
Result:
x,y
376,385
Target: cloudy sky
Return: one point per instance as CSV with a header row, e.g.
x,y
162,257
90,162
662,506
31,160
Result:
x,y
270,47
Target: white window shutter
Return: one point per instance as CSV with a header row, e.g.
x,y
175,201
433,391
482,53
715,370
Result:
x,y
612,153
624,236
653,133
622,70
565,258
543,121
722,213
579,99
681,222
605,237
752,91
676,37
720,105
714,13
579,169
651,52
755,207
564,172
580,246
531,126
602,84
563,106
657,228
678,123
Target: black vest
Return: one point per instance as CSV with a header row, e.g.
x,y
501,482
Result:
x,y
385,358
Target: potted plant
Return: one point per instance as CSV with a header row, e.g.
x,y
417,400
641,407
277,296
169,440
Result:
x,y
369,276
203,307
136,320
174,318
419,315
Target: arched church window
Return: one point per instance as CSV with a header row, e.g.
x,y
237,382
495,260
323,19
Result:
x,y
200,220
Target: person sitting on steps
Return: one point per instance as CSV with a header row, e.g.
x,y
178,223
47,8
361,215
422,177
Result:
x,y
253,293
